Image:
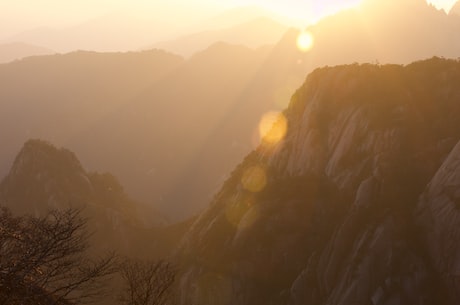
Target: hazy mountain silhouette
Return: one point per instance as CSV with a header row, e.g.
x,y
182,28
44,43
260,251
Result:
x,y
358,203
125,31
56,97
107,33
14,51
253,33
190,123
241,15
166,127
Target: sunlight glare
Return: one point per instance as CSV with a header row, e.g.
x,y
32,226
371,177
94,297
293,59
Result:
x,y
305,41
273,127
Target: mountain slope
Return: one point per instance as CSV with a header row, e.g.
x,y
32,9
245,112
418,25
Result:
x,y
15,51
346,37
165,127
209,105
342,210
253,34
377,31
57,96
44,177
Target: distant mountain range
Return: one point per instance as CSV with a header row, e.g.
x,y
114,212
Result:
x,y
15,51
254,33
58,96
357,203
162,123
124,32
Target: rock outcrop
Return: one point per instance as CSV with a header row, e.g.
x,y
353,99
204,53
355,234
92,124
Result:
x,y
45,178
358,204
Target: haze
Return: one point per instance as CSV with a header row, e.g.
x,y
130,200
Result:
x,y
229,152
121,25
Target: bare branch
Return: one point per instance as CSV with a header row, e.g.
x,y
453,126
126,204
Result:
x,y
45,259
146,282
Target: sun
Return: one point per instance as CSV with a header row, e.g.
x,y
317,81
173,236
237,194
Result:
x,y
305,41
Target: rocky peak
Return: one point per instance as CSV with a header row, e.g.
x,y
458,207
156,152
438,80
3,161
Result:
x,y
342,210
46,177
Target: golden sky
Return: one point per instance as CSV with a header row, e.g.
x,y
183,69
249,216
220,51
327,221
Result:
x,y
22,15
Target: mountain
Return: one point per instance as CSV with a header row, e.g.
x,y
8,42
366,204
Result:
x,y
254,33
237,133
355,35
132,26
357,204
455,10
166,127
241,15
15,51
186,125
385,32
57,96
345,37
112,32
44,177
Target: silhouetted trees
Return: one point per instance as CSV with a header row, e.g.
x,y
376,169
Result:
x,y
146,282
43,260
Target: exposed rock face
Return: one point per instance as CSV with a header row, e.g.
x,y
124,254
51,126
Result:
x,y
344,211
439,217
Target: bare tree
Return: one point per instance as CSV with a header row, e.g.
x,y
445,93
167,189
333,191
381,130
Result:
x,y
43,260
147,282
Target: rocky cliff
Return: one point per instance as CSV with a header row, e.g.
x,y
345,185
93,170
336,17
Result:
x,y
356,204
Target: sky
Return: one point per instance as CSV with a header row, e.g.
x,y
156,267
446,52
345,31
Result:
x,y
17,16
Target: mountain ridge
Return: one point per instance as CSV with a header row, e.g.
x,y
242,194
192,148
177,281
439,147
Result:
x,y
18,50
215,88
253,33
338,217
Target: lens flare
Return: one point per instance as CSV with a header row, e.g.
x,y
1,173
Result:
x,y
273,127
305,41
254,179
